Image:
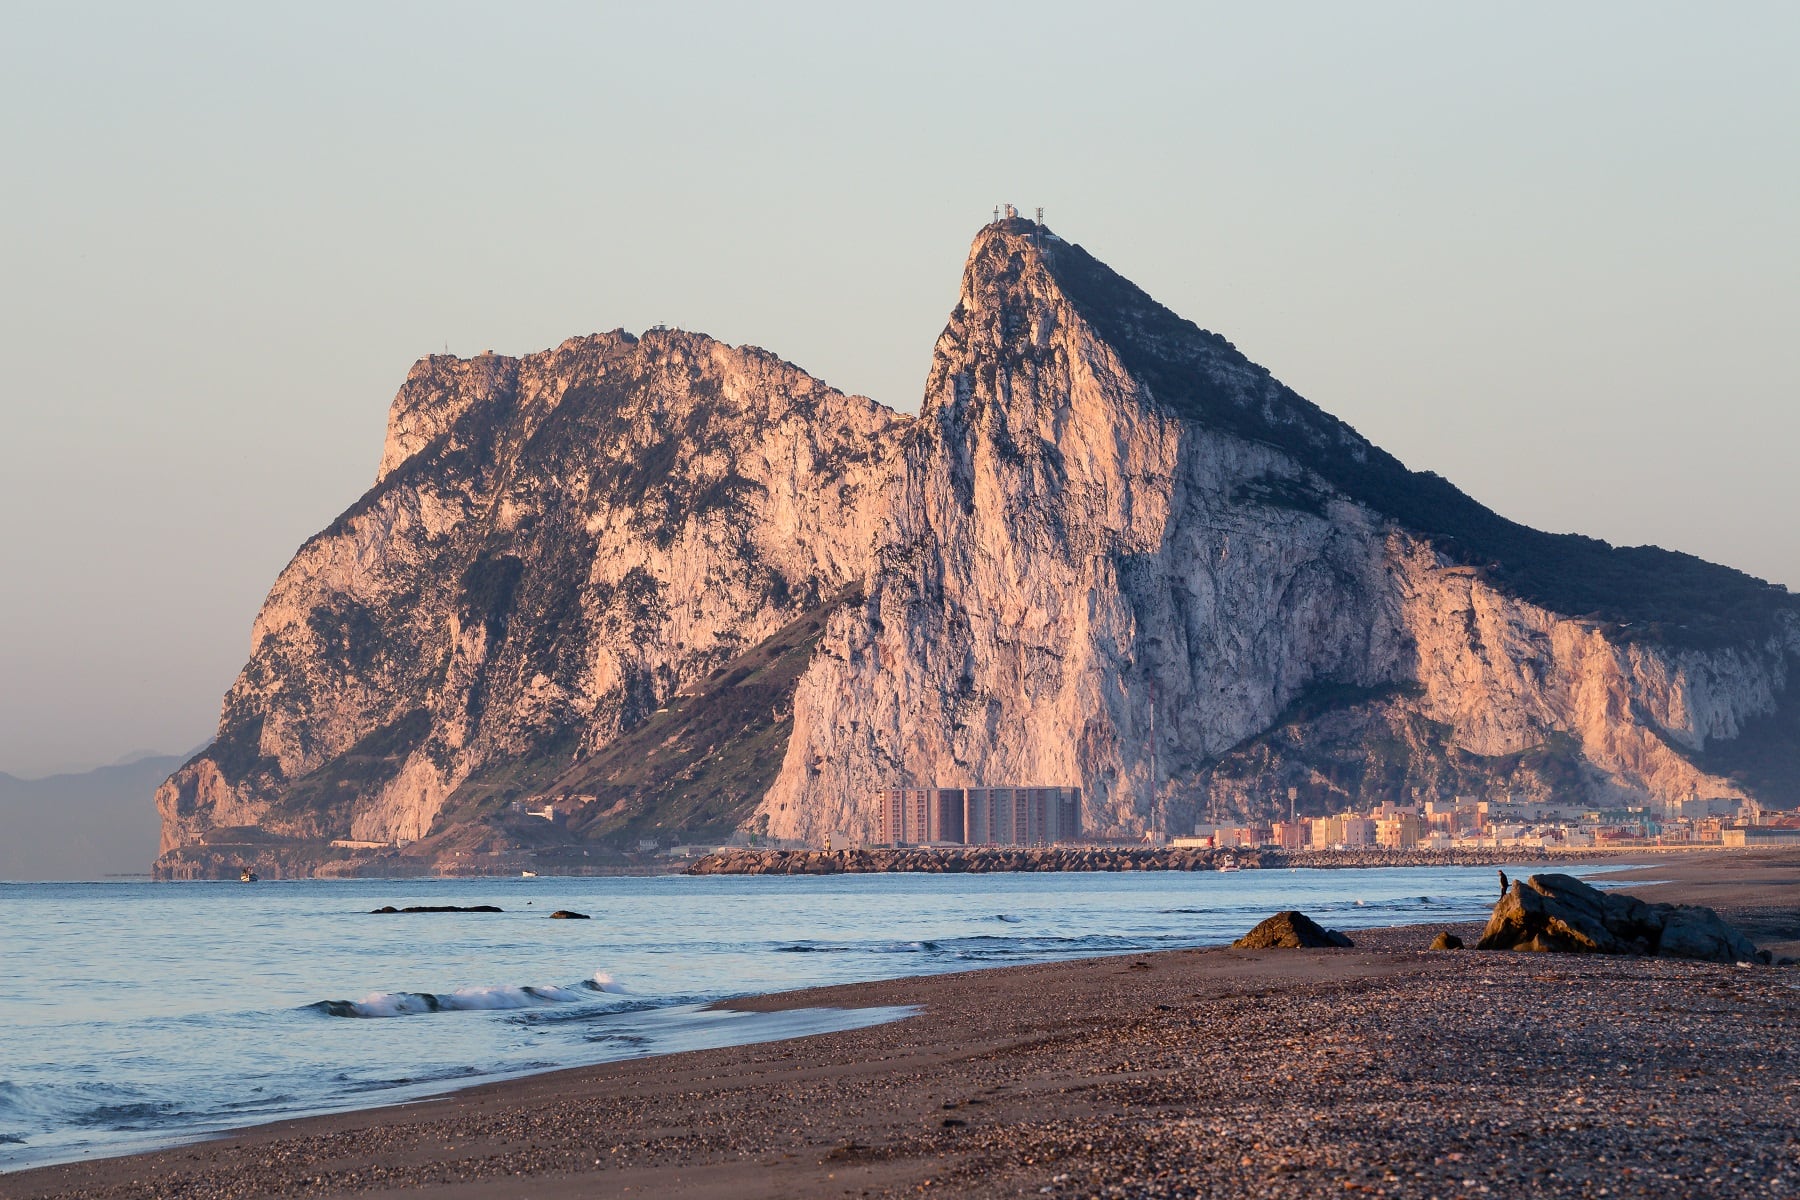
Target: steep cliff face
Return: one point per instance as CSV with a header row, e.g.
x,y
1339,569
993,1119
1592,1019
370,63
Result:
x,y
1111,530
672,585
554,547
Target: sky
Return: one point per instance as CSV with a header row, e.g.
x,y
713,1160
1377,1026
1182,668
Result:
x,y
1549,251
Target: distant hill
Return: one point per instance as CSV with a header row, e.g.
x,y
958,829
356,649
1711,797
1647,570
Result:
x,y
82,826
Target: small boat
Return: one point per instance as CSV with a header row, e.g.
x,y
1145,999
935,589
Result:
x,y
527,874
246,876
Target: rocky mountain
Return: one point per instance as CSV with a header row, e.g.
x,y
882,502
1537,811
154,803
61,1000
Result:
x,y
81,824
673,588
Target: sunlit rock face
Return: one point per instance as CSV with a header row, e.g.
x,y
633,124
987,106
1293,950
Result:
x,y
1119,554
554,547
1109,552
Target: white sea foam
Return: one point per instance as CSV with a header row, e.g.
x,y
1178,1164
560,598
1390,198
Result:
x,y
472,999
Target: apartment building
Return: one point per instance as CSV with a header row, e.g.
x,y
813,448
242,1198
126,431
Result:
x,y
1021,816
917,816
980,816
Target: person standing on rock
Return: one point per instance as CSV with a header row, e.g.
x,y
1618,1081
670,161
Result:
x,y
1503,884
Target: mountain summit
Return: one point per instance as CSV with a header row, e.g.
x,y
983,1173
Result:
x,y
662,587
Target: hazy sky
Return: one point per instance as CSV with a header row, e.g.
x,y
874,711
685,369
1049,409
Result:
x,y
1550,251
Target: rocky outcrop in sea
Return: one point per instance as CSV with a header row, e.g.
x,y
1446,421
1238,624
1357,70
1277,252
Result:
x,y
636,588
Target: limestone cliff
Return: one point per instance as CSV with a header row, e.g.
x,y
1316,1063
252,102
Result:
x,y
1107,522
555,546
674,586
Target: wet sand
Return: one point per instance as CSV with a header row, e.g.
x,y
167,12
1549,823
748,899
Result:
x,y
1383,1070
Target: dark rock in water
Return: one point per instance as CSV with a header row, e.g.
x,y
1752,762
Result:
x,y
1446,941
439,908
563,914
1561,914
1292,931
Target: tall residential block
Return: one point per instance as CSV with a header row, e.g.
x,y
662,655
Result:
x,y
1021,816
982,816
911,816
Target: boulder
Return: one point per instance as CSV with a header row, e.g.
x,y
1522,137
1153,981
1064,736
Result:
x,y
1292,931
1561,914
1693,931
1446,941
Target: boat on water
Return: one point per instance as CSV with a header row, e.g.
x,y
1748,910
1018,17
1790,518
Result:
x,y
527,874
1230,864
246,876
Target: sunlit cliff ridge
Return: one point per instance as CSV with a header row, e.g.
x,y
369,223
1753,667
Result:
x,y
672,588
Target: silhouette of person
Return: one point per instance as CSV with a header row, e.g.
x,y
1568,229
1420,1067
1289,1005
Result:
x,y
1503,884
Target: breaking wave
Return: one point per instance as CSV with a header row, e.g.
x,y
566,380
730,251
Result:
x,y
857,948
477,999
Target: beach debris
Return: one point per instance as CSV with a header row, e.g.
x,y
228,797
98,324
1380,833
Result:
x,y
1446,941
565,914
1292,930
1561,914
439,908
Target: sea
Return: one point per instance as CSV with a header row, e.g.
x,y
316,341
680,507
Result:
x,y
135,1015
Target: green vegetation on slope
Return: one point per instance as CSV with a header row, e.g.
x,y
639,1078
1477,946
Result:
x,y
700,766
696,767
1339,746
1765,756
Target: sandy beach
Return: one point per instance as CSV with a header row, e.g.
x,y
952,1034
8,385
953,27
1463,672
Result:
x,y
1384,1070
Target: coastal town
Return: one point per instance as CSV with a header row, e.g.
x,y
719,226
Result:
x,y
1525,825
1040,816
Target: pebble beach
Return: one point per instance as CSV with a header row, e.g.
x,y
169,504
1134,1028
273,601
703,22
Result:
x,y
1382,1070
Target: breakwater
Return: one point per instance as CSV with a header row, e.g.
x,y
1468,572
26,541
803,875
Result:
x,y
981,859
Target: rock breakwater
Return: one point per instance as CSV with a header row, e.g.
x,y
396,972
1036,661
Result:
x,y
954,860
976,859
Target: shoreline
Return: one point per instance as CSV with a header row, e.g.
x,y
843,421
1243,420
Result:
x,y
1012,1076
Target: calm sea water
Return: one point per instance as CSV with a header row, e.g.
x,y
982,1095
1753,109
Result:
x,y
136,1014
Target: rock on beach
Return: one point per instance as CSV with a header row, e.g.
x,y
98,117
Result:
x,y
1560,913
1292,930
